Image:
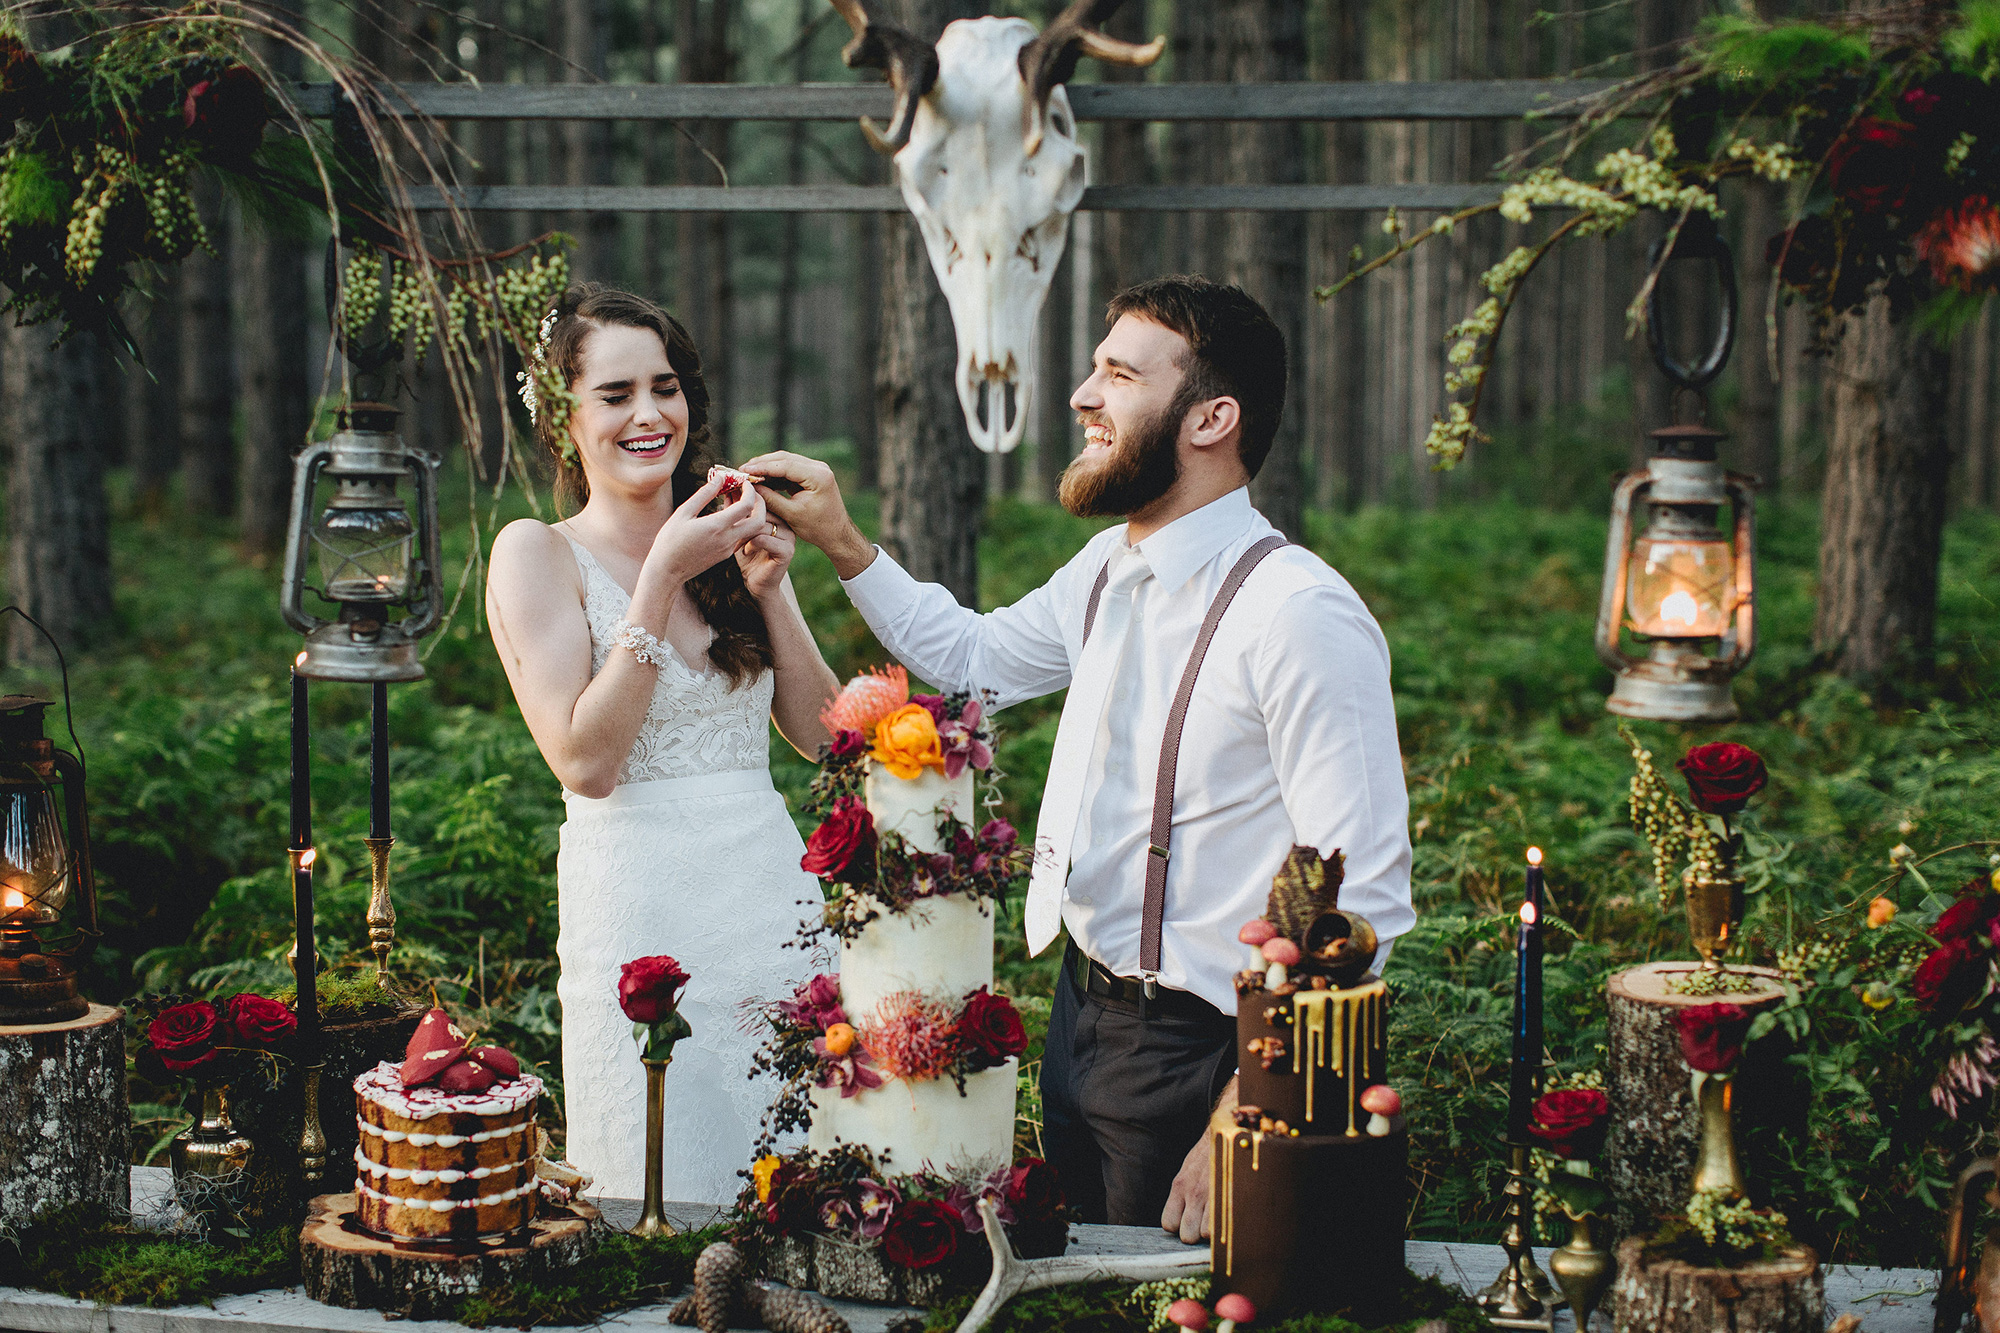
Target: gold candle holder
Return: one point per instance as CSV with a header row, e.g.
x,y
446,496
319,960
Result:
x,y
1582,1270
381,912
1521,1296
1715,1164
652,1217
1715,915
312,1136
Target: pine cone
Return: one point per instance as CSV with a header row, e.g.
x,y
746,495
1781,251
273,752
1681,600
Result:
x,y
683,1311
718,1280
783,1310
1303,888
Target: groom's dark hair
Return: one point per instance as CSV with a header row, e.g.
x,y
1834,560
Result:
x,y
1234,351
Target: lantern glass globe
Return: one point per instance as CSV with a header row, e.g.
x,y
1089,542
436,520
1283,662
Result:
x,y
34,859
365,554
1681,588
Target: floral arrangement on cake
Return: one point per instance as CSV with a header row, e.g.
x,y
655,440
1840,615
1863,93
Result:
x,y
911,1036
212,1043
918,1221
869,870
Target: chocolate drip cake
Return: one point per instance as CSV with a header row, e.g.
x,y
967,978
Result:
x,y
1309,1194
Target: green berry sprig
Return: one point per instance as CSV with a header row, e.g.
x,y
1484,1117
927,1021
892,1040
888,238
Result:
x,y
1672,829
360,292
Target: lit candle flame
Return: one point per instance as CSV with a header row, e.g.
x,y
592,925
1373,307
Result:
x,y
1527,914
1680,606
307,857
13,898
299,661
1534,856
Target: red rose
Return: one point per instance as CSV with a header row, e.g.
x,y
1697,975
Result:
x,y
1034,1192
1572,1123
1969,916
1722,776
258,1021
842,848
846,744
1712,1036
649,988
990,1030
1874,165
922,1234
1950,976
184,1036
227,111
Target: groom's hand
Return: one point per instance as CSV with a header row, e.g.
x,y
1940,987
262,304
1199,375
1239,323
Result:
x,y
816,513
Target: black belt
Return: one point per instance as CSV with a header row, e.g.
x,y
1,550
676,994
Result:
x,y
1094,978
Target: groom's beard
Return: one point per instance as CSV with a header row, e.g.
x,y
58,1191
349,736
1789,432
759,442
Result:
x,y
1139,471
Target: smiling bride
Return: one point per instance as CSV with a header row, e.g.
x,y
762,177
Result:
x,y
650,644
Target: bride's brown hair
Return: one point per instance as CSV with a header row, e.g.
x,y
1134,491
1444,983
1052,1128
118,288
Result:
x,y
742,646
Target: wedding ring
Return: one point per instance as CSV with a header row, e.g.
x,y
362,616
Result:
x,y
774,529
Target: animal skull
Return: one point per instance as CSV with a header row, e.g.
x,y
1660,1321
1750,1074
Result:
x,y
988,161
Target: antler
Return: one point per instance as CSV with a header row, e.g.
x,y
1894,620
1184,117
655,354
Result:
x,y
1051,58
911,62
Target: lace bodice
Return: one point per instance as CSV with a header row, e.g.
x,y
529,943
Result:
x,y
696,723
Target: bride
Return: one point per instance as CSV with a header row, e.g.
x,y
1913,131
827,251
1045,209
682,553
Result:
x,y
650,646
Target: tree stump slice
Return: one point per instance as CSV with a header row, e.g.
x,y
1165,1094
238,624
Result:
x,y
1786,1295
360,1272
1655,1125
850,1271
65,1126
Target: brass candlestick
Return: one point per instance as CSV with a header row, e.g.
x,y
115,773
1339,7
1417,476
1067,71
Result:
x,y
312,1137
652,1218
381,912
1521,1296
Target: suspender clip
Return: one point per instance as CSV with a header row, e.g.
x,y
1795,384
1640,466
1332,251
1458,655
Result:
x,y
1150,978
1158,851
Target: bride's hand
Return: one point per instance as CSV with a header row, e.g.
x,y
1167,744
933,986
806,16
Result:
x,y
691,541
765,558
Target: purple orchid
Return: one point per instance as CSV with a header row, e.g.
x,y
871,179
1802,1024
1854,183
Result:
x,y
962,742
850,1073
963,1199
875,1206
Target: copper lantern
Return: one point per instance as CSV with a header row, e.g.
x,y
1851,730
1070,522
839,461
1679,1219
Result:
x,y
45,872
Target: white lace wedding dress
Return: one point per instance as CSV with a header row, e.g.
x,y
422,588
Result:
x,y
692,855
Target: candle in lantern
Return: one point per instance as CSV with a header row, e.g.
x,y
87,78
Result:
x,y
1525,1070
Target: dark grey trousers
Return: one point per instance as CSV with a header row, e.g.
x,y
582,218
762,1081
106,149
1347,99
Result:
x,y
1124,1097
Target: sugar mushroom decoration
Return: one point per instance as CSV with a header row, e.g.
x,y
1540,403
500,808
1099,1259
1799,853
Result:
x,y
1189,1313
1256,932
1382,1103
1234,1309
1280,953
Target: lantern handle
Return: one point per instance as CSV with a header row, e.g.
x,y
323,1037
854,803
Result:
x,y
291,597
424,616
62,666
1617,541
1742,501
78,812
1696,238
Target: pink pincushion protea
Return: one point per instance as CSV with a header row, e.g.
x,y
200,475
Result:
x,y
868,698
912,1038
1962,245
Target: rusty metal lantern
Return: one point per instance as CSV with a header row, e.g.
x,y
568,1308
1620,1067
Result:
x,y
1684,587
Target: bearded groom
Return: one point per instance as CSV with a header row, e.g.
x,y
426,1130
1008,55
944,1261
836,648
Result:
x,y
1287,734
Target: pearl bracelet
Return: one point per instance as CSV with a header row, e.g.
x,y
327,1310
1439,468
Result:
x,y
643,645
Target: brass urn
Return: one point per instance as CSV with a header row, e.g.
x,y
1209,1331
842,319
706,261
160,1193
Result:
x,y
1582,1270
211,1165
1715,916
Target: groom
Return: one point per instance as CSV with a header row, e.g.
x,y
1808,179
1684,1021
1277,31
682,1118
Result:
x,y
1289,735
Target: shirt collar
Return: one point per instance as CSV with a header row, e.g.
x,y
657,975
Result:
x,y
1180,549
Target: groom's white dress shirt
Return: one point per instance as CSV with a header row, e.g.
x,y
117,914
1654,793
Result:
x,y
1290,737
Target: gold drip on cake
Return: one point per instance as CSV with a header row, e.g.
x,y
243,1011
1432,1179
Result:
x,y
1356,1018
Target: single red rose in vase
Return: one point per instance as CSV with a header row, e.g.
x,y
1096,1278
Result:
x,y
257,1020
184,1036
842,848
1874,165
1722,776
1712,1036
1571,1123
990,1030
650,988
922,1234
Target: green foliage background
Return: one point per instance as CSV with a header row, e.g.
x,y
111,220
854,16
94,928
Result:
x,y
1488,612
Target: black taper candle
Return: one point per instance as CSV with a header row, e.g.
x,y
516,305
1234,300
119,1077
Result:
x,y
1525,1070
1537,893
305,965
378,764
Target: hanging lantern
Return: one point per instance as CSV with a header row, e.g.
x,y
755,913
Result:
x,y
43,866
1684,587
371,554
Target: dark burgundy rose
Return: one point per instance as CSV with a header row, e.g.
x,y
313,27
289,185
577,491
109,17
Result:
x,y
1722,776
998,834
650,988
990,1030
22,79
846,745
923,1234
1971,915
1950,976
184,1036
842,848
1033,1191
257,1021
1572,1123
1874,165
1712,1036
227,111
932,704
794,1199
1805,252
942,867
815,1005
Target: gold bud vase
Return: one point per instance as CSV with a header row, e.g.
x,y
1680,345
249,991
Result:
x,y
1715,915
1583,1271
211,1164
652,1217
1715,1164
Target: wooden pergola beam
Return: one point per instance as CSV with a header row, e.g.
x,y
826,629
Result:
x,y
888,199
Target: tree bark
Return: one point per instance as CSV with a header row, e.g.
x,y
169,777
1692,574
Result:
x,y
64,1122
1882,510
208,377
155,450
707,295
58,546
784,372
1757,397
1785,1295
586,45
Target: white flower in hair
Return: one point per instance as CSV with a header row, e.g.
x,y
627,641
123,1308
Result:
x,y
538,362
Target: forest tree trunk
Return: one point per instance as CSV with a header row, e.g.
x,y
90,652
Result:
x,y
1888,467
1757,395
702,262
1342,450
58,544
933,479
155,448
587,143
208,388
784,373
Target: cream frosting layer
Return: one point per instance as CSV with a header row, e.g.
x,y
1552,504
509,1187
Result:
x,y
940,946
419,1139
383,1085
927,1123
420,1176
910,806
447,1205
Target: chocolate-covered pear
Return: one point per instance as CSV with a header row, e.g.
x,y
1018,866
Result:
x,y
1342,944
467,1075
434,1047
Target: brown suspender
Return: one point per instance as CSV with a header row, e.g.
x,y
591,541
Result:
x,y
1159,849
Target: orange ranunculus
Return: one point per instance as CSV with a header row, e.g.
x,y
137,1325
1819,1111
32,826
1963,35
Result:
x,y
1880,913
907,742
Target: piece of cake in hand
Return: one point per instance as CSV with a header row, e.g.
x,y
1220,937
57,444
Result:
x,y
1307,1197
447,1150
